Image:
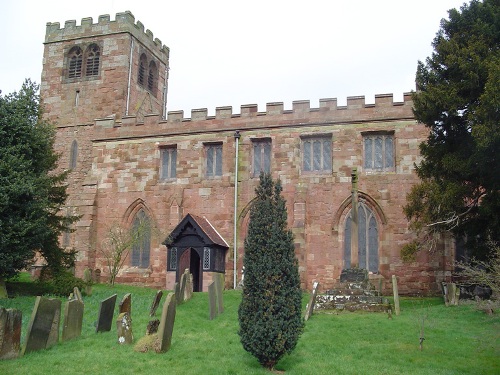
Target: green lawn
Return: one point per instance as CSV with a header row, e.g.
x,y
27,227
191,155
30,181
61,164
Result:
x,y
458,340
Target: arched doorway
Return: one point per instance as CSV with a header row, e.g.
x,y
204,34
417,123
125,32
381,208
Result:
x,y
191,259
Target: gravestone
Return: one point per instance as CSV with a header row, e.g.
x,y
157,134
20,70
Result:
x,y
73,317
166,327
182,289
219,289
312,301
124,328
152,326
87,278
156,303
105,316
43,328
177,292
188,289
77,294
212,301
126,304
10,333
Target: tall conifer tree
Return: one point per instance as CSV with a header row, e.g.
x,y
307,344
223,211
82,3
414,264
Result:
x,y
270,311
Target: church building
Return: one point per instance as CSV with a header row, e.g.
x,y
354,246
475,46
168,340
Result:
x,y
193,176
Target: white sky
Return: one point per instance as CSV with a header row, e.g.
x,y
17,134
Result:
x,y
232,52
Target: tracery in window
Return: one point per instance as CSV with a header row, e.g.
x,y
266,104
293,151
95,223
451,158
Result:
x,y
92,56
75,57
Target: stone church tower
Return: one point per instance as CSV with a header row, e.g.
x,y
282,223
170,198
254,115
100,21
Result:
x,y
109,70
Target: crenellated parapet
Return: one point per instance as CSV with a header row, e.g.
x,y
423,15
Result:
x,y
356,110
124,23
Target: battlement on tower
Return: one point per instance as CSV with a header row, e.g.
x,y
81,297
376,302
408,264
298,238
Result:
x,y
124,23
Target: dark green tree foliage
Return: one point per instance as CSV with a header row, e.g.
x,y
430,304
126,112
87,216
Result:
x,y
458,99
31,193
270,312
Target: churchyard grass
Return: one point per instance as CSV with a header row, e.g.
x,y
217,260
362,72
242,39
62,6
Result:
x,y
458,340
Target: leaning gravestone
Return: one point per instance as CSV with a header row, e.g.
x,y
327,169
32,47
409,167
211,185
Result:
x,y
10,333
182,288
166,327
43,328
73,317
312,301
156,303
105,316
212,301
188,289
219,289
77,294
124,328
126,304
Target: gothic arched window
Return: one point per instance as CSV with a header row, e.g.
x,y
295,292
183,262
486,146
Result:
x,y
75,58
92,60
367,239
152,77
141,76
141,232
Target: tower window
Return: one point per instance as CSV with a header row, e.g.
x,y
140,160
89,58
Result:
x,y
378,151
75,58
213,154
141,77
152,77
93,55
317,154
261,156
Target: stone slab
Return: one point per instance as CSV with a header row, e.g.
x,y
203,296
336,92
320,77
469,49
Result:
x,y
43,328
212,301
126,304
124,328
10,333
219,289
73,318
312,301
105,315
167,321
155,303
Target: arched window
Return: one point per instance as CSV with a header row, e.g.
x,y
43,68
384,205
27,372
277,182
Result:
x,y
141,233
141,76
367,239
73,154
92,60
152,77
75,57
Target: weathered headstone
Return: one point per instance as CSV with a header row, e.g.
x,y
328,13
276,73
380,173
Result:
x,y
219,289
451,294
155,303
77,295
312,301
87,278
396,294
353,275
105,316
188,289
124,328
177,292
152,326
182,288
73,318
166,327
212,301
10,333
126,304
43,328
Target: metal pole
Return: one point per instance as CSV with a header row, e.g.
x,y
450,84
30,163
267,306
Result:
x,y
237,136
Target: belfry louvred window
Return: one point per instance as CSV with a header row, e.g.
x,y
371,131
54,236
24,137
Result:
x,y
92,56
75,58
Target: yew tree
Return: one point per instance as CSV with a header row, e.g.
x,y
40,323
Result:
x,y
458,100
32,193
270,311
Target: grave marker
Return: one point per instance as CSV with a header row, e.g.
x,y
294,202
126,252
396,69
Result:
x,y
212,298
43,328
177,292
156,303
166,327
105,316
124,328
73,317
10,333
219,288
312,301
126,304
77,294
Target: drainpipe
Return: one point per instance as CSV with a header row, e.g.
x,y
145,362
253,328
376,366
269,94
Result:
x,y
129,72
237,136
165,92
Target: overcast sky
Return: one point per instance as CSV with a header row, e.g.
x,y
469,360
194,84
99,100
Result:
x,y
230,53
